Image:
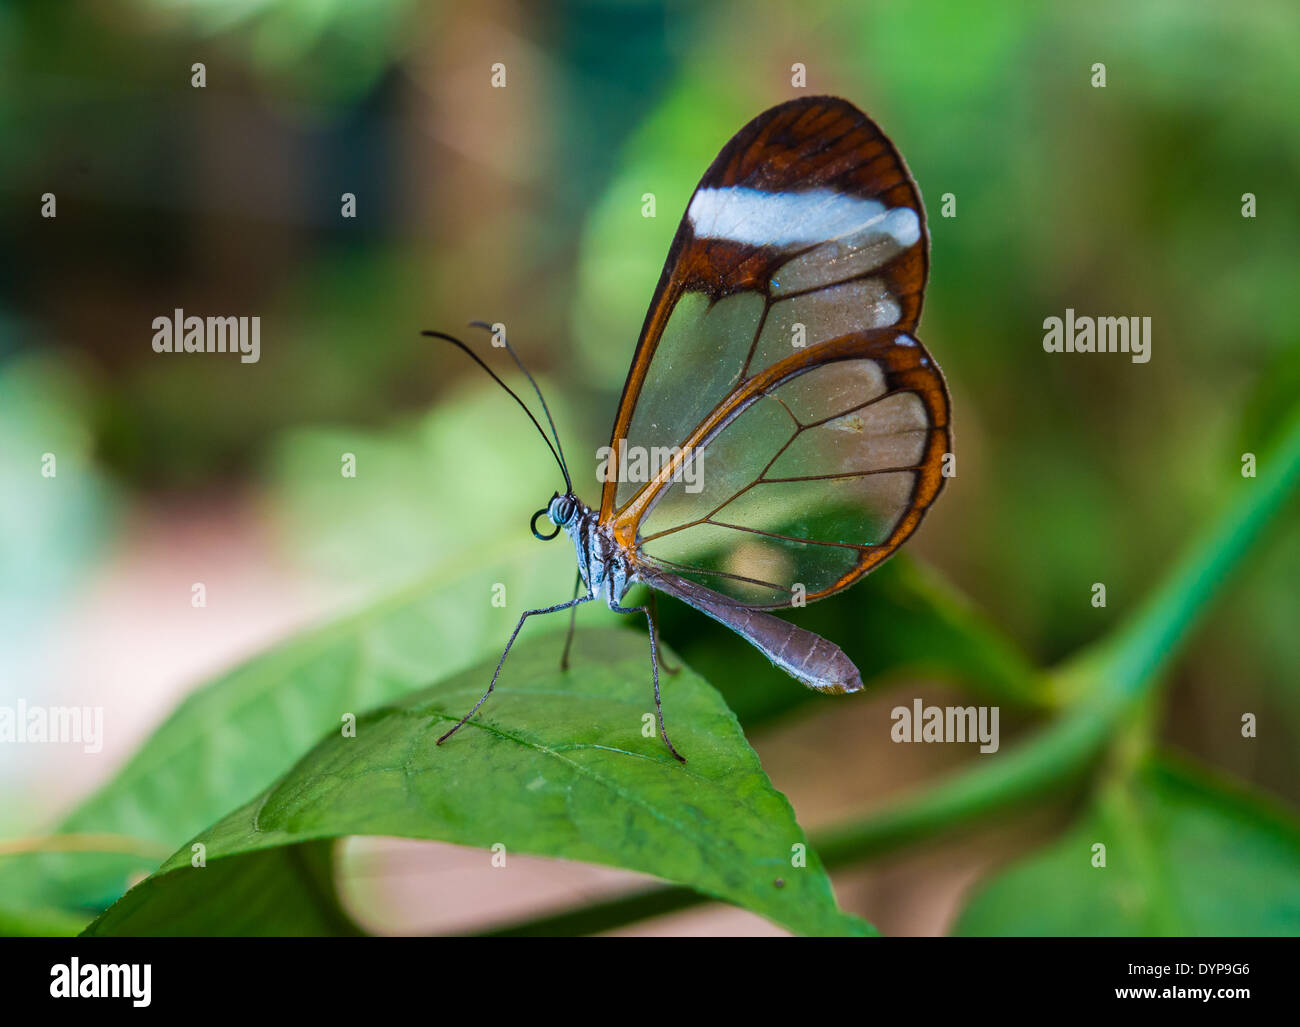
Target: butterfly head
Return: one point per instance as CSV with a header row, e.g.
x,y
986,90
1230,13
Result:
x,y
562,511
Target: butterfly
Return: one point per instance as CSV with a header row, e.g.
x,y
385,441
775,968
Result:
x,y
782,431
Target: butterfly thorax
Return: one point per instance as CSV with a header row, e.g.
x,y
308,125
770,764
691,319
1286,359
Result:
x,y
601,561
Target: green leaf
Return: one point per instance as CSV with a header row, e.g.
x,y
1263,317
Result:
x,y
1185,855
556,764
229,740
286,891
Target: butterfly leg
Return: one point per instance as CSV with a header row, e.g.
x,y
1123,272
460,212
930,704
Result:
x,y
513,635
654,668
573,621
654,622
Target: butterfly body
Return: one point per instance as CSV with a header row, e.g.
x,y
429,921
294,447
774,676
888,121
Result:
x,y
603,564
799,428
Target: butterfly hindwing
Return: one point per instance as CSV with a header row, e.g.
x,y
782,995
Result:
x,y
778,364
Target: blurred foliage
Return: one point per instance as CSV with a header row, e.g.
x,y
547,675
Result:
x,y
58,512
1182,856
441,486
57,509
932,634
525,205
315,50
43,403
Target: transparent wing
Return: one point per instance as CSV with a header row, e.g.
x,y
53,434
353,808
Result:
x,y
789,426
821,471
805,228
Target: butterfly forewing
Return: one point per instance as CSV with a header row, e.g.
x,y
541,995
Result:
x,y
778,356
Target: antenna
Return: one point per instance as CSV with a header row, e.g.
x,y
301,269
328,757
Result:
x,y
540,430
536,388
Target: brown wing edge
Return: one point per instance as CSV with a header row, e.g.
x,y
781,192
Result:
x,y
785,127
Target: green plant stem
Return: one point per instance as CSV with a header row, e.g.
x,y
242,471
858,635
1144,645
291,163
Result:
x,y
1103,682
1130,661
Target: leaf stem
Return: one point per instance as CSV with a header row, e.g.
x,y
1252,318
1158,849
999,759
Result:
x,y
1129,661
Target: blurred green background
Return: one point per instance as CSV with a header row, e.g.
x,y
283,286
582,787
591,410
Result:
x,y
524,205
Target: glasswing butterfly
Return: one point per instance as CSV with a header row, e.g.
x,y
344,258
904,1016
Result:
x,y
799,425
